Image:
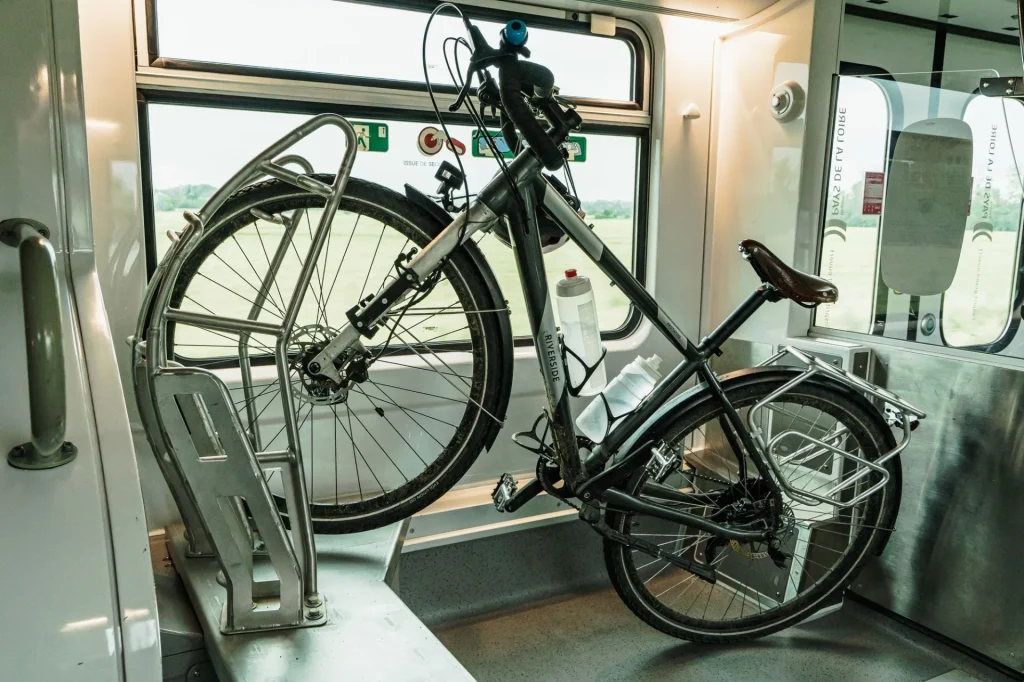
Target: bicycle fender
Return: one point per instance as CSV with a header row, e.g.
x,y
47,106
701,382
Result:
x,y
700,393
441,219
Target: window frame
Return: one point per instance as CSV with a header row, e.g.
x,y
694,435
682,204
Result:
x,y
186,83
626,32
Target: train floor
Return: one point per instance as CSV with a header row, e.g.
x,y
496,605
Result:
x,y
594,637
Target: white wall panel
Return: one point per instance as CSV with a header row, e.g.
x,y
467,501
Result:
x,y
768,174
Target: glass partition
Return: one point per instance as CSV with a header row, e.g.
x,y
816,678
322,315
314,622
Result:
x,y
922,213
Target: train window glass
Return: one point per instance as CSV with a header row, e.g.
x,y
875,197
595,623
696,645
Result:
x,y
893,48
976,307
921,230
963,53
194,149
849,247
342,39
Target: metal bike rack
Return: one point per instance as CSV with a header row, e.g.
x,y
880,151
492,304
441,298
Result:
x,y
899,412
211,461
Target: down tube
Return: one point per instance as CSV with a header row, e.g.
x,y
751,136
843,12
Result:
x,y
530,261
611,266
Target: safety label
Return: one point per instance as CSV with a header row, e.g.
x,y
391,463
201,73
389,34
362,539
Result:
x,y
576,146
371,137
432,140
874,190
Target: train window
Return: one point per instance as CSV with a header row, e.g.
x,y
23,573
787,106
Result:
x,y
921,230
849,249
232,35
194,149
976,307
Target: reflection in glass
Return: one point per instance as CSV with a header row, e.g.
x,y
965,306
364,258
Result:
x,y
973,305
854,203
976,308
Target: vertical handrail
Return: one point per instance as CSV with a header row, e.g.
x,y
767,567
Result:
x,y
44,347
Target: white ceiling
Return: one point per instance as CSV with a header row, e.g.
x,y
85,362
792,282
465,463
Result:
x,y
987,15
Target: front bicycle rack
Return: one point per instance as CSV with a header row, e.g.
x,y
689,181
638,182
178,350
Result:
x,y
848,486
213,463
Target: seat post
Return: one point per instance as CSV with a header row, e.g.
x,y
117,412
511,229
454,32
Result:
x,y
712,342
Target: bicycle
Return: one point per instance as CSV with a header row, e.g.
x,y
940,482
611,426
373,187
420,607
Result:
x,y
773,485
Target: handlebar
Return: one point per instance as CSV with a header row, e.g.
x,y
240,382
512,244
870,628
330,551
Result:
x,y
510,86
518,79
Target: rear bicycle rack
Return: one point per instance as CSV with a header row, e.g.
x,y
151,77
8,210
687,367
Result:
x,y
849,488
211,460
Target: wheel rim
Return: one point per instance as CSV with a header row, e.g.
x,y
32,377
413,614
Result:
x,y
367,445
752,590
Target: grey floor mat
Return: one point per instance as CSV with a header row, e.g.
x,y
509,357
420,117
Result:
x,y
595,637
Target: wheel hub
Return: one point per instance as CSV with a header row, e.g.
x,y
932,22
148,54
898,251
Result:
x,y
316,388
748,501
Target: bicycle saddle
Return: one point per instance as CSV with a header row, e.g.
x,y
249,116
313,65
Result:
x,y
792,284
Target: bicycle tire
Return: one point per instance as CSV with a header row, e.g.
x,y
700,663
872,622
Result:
x,y
869,430
488,337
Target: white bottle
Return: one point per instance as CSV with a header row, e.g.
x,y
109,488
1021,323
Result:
x,y
577,317
624,393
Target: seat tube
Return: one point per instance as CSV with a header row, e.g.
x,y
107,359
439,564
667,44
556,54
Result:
x,y
525,235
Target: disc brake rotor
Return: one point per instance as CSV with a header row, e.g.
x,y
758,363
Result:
x,y
315,388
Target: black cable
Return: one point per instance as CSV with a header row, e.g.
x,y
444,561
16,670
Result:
x,y
480,124
433,101
572,183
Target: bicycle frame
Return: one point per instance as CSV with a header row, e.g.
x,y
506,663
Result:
x,y
496,202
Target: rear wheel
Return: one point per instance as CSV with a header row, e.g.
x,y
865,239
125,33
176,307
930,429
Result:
x,y
824,545
421,398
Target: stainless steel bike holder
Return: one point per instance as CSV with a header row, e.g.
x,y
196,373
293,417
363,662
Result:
x,y
850,490
211,459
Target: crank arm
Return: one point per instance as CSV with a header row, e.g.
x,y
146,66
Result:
x,y
509,497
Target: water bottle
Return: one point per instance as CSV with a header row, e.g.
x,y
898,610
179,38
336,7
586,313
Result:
x,y
581,333
624,393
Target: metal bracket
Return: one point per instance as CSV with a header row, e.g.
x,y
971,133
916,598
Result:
x,y
1012,86
225,479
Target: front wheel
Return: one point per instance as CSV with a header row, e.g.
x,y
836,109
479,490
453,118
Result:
x,y
423,394
824,546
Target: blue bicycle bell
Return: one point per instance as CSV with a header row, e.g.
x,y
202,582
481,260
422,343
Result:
x,y
515,33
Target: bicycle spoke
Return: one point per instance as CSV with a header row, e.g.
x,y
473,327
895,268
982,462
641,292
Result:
x,y
441,360
280,296
345,253
745,568
381,447
373,260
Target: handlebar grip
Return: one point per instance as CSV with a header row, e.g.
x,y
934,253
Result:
x,y
540,77
510,87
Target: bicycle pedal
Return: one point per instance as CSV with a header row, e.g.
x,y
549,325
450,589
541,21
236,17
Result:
x,y
503,492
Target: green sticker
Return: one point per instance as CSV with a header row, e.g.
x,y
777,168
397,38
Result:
x,y
372,137
577,146
481,149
